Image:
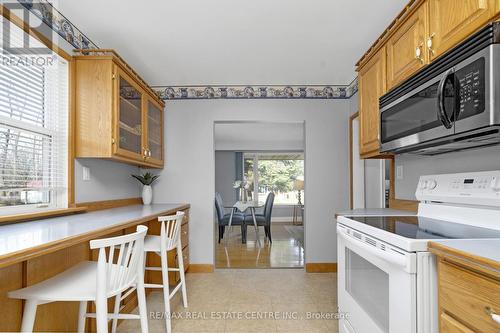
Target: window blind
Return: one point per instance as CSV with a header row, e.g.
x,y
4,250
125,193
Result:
x,y
33,126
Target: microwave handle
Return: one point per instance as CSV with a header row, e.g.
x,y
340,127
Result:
x,y
400,260
441,109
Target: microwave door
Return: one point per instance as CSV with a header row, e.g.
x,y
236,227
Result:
x,y
415,117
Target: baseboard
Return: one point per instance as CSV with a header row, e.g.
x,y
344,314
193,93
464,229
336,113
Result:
x,y
321,267
200,268
282,219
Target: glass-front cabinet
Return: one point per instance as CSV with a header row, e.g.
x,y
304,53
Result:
x,y
154,132
118,116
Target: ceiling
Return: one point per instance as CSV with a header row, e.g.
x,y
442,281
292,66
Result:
x,y
259,136
226,42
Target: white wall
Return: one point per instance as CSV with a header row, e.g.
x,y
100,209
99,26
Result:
x,y
108,181
482,159
189,168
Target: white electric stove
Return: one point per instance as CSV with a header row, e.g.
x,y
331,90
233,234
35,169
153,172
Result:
x,y
386,278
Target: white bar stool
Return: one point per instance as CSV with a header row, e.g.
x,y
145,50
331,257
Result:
x,y
94,281
169,239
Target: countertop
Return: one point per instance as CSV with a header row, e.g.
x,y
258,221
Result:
x,y
21,239
488,249
375,212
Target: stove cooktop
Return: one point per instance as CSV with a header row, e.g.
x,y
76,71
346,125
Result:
x,y
420,228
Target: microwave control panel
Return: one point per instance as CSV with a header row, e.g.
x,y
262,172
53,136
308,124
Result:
x,y
475,188
471,89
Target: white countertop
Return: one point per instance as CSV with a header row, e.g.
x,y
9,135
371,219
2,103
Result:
x,y
376,212
24,235
486,248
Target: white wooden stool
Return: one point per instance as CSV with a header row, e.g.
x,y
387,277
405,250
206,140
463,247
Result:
x,y
94,281
169,239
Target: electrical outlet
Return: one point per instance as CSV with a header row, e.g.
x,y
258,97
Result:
x,y
399,172
86,173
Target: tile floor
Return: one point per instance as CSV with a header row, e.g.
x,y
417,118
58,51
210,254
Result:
x,y
249,293
286,250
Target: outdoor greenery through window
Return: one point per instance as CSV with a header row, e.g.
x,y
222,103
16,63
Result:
x,y
33,126
275,172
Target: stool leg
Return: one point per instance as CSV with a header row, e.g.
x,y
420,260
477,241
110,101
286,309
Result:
x,y
101,314
116,311
82,311
181,272
141,297
166,291
29,316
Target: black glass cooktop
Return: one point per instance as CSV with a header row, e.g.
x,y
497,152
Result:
x,y
416,227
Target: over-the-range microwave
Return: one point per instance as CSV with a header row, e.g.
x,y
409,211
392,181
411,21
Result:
x,y
452,104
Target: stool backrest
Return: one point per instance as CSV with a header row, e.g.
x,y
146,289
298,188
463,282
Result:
x,y
117,271
170,230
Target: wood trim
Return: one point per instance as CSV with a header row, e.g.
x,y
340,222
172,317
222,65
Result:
x,y
351,173
107,204
392,185
201,268
15,257
33,32
39,215
466,259
410,205
321,267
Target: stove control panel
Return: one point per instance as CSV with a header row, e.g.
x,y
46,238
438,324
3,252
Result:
x,y
475,188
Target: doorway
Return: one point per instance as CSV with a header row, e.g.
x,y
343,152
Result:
x,y
253,160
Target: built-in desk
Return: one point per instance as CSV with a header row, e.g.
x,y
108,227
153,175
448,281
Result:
x,y
34,251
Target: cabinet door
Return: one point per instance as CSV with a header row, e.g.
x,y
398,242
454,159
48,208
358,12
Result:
x,y
452,21
372,85
450,325
406,48
128,118
154,132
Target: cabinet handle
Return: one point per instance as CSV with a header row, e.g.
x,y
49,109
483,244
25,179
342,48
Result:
x,y
489,311
429,43
418,53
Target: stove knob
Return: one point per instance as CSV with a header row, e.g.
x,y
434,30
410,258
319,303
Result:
x,y
431,184
423,184
495,184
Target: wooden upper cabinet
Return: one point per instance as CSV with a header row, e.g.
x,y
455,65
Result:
x,y
372,85
118,116
406,52
452,21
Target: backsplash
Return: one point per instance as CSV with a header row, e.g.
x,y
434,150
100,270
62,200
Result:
x,y
483,159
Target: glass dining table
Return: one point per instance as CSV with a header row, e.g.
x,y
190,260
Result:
x,y
243,206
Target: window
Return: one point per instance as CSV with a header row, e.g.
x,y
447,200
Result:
x,y
281,173
33,127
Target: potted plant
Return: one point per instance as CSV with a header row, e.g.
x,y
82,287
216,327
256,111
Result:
x,y
146,180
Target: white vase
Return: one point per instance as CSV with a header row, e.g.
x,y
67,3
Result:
x,y
147,194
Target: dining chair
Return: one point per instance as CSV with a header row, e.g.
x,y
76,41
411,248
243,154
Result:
x,y
169,239
264,218
112,274
223,218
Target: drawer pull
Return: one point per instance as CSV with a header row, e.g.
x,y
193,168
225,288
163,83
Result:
x,y
489,311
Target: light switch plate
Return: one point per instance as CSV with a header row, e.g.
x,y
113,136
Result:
x,y
399,172
86,173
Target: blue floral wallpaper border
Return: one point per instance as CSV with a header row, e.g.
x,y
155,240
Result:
x,y
68,31
58,23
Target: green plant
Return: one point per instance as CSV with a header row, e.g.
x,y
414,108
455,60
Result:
x,y
147,178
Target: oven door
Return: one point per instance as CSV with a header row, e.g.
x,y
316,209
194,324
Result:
x,y
376,285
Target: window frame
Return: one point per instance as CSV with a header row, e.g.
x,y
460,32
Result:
x,y
19,215
255,192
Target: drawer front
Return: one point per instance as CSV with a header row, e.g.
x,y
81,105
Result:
x,y
449,325
468,296
185,234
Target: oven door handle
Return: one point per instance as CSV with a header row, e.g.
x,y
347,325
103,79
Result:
x,y
441,107
399,260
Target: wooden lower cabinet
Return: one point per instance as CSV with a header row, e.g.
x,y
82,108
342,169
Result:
x,y
452,21
449,325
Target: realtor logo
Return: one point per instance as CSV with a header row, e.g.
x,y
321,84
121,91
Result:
x,y
13,43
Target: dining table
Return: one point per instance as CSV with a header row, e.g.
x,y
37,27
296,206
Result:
x,y
243,206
